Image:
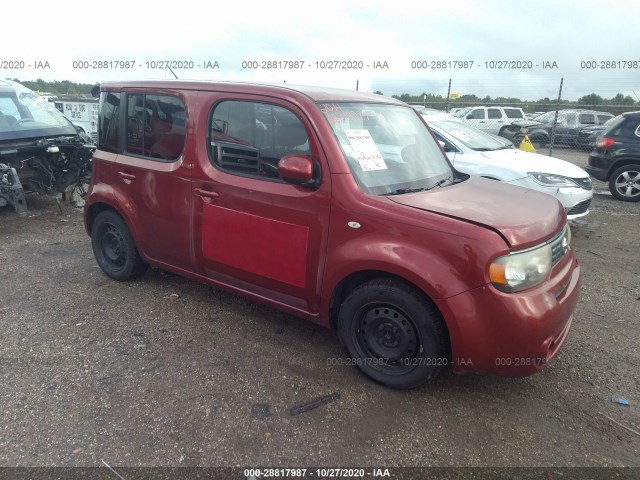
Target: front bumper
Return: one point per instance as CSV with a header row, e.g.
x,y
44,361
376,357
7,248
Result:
x,y
575,200
512,334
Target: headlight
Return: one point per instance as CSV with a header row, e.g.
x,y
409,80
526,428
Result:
x,y
521,270
549,180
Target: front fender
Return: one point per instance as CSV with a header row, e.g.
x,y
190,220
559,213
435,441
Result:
x,y
440,264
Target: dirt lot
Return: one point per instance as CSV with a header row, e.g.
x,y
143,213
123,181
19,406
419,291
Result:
x,y
93,369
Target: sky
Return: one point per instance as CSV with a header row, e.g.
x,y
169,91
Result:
x,y
489,47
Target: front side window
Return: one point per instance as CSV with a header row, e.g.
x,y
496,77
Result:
x,y
388,148
477,114
155,126
250,138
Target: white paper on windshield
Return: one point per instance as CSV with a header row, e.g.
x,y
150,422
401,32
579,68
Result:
x,y
460,135
366,150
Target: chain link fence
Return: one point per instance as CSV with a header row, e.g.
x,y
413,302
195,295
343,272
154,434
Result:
x,y
560,115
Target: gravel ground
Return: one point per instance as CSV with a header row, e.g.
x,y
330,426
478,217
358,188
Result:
x,y
163,371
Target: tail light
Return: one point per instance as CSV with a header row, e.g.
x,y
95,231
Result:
x,y
604,142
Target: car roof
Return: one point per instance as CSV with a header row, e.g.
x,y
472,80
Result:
x,y
631,115
316,94
7,86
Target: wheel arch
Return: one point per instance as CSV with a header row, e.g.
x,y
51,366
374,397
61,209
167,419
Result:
x,y
355,279
621,162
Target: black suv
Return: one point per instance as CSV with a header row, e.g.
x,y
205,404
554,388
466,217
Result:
x,y
569,124
616,158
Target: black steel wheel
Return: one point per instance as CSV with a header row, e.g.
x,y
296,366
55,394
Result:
x,y
393,333
114,248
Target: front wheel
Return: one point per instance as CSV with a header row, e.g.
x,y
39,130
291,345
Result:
x,y
114,248
624,183
393,333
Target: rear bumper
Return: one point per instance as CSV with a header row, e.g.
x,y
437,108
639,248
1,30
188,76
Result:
x,y
512,334
598,166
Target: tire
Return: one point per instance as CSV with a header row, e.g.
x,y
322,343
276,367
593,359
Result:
x,y
114,248
624,183
393,334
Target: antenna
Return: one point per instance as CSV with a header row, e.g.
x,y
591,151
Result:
x,y
174,73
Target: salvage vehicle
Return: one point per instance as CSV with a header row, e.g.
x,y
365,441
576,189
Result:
x,y
40,149
341,208
475,152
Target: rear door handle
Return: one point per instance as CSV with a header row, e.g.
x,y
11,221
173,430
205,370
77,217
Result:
x,y
206,195
127,177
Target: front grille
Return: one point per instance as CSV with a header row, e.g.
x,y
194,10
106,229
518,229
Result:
x,y
579,208
559,246
583,182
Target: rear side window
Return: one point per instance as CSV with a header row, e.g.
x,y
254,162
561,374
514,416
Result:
x,y
612,126
494,113
155,126
108,121
513,113
603,118
250,138
587,119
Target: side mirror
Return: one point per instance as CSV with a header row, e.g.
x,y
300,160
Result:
x,y
95,91
299,170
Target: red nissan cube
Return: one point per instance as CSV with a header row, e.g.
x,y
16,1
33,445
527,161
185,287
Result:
x,y
339,207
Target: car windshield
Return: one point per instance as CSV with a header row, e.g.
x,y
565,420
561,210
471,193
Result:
x,y
23,114
471,137
461,112
388,148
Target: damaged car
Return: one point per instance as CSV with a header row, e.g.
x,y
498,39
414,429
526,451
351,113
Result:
x,y
41,151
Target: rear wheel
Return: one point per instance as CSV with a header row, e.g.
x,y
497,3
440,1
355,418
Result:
x,y
393,333
624,183
114,248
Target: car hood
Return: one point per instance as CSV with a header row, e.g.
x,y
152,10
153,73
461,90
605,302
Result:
x,y
523,217
524,162
596,128
526,123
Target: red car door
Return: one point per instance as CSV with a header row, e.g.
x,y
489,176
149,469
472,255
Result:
x,y
155,175
252,231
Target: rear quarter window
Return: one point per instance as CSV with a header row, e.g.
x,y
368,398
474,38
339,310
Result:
x,y
108,121
513,113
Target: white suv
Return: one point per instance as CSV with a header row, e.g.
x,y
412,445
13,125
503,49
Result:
x,y
490,119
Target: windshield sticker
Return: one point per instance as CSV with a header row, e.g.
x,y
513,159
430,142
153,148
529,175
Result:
x,y
460,135
366,150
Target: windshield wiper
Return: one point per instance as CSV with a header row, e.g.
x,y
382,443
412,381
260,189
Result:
x,y
401,191
439,183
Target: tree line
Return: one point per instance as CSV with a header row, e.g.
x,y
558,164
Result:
x,y
615,105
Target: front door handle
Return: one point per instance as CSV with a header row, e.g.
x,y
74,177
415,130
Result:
x,y
206,195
